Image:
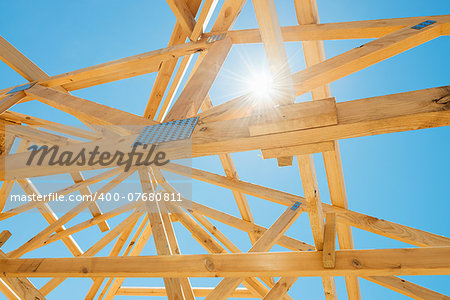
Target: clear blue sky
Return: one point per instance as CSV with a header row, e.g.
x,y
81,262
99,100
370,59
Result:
x,y
401,177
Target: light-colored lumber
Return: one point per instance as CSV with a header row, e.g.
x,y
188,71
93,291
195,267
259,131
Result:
x,y
161,292
281,288
296,116
364,117
361,57
413,261
264,243
183,14
122,68
366,29
4,236
230,171
315,211
407,288
329,241
11,99
388,229
196,89
269,27
168,66
298,150
160,235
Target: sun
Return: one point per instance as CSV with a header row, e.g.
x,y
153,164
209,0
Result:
x,y
261,85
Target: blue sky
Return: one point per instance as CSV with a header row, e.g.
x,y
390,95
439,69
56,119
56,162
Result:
x,y
400,177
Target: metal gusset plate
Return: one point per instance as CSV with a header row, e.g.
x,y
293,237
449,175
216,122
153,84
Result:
x,y
166,132
423,24
21,88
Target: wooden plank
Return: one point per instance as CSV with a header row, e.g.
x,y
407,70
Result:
x,y
168,66
124,226
19,287
313,51
183,14
41,123
329,241
209,243
264,243
19,62
407,111
9,101
7,291
134,248
407,288
51,218
367,29
41,236
284,161
203,18
298,150
362,57
230,171
225,19
296,116
93,112
388,229
269,27
172,284
281,288
4,236
161,292
312,197
196,89
374,262
120,69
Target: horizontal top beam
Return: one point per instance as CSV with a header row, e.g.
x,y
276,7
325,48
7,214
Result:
x,y
364,117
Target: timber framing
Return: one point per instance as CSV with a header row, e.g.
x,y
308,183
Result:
x,y
284,129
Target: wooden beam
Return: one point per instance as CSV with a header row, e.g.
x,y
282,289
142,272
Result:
x,y
298,150
160,235
407,288
388,229
183,14
412,261
196,89
407,111
93,112
161,292
329,242
264,243
367,29
362,57
225,19
281,288
134,248
40,237
269,27
203,18
19,62
17,287
9,101
230,171
51,218
120,69
168,66
314,204
297,116
4,236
